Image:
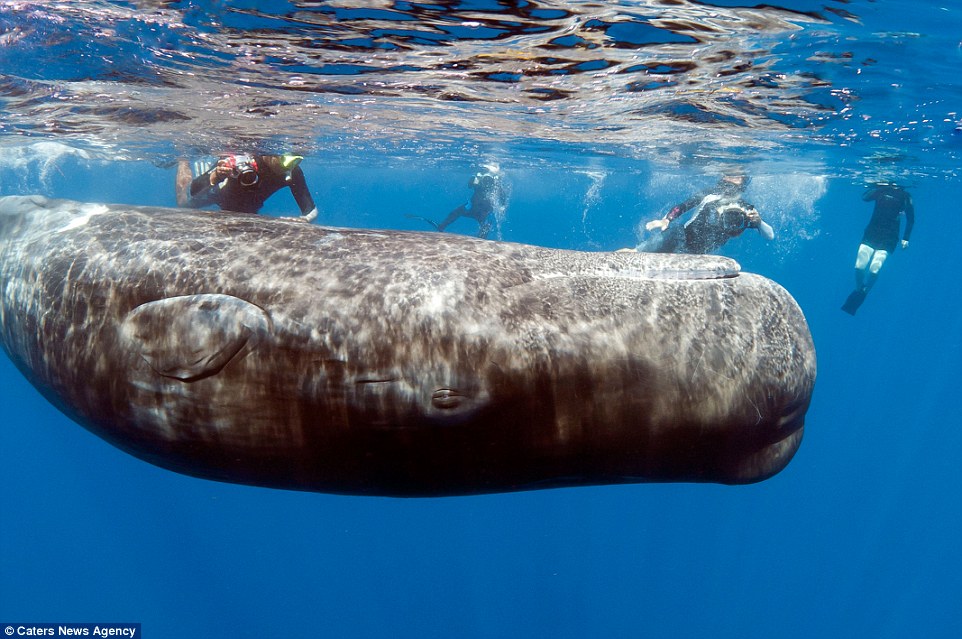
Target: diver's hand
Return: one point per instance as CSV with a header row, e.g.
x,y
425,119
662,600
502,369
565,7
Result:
x,y
905,244
220,173
661,224
754,218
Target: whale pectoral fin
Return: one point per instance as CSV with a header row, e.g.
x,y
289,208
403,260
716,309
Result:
x,y
193,336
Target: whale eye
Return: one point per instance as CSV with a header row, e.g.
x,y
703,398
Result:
x,y
446,398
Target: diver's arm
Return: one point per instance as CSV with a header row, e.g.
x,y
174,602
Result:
x,y
201,183
676,212
684,207
302,194
909,220
201,192
680,209
220,172
764,228
871,194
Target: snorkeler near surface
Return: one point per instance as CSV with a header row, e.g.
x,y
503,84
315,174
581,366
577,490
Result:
x,y
880,238
242,183
720,214
487,199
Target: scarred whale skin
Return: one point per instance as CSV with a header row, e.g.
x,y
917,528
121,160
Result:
x,y
275,353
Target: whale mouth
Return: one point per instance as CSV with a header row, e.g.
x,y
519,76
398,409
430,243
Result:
x,y
768,461
776,451
793,418
642,266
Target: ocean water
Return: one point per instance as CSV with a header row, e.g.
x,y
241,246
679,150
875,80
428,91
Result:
x,y
602,115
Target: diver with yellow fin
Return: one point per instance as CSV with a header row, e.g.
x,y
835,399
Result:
x,y
243,183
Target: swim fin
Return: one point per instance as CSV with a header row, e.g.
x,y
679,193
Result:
x,y
424,219
854,301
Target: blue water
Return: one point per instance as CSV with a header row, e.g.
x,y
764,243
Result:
x,y
857,537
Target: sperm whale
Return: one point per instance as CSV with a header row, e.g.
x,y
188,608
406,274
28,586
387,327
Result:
x,y
276,353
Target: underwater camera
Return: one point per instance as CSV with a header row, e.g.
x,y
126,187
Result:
x,y
243,168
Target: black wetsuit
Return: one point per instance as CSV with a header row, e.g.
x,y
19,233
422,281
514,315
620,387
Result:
x,y
487,197
711,229
882,232
716,222
231,195
724,188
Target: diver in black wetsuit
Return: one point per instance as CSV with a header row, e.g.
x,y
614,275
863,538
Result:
x,y
487,200
720,214
880,238
243,183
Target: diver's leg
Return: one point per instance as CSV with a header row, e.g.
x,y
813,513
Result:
x,y
863,279
484,229
452,216
647,245
654,243
182,182
651,241
874,266
671,240
861,263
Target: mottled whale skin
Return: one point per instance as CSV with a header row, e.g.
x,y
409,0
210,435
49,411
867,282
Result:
x,y
270,352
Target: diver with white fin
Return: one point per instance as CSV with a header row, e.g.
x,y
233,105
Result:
x,y
720,214
880,238
487,200
243,183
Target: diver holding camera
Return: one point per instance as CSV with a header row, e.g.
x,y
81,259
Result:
x,y
720,214
243,183
242,168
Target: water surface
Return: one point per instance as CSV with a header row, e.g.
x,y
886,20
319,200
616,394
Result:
x,y
602,115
